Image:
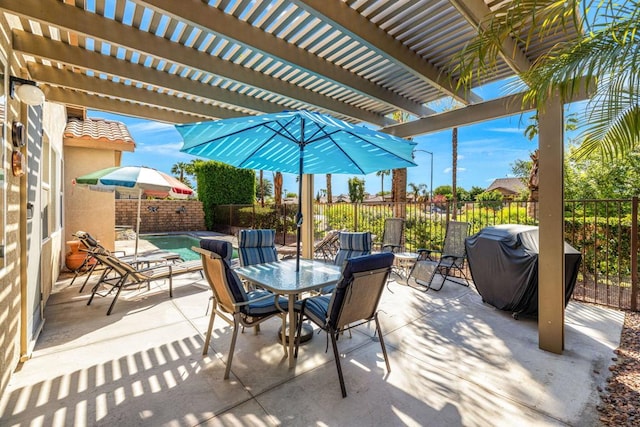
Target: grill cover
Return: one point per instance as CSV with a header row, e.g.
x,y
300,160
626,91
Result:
x,y
503,261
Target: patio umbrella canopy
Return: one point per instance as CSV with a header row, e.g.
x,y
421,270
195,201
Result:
x,y
137,181
299,142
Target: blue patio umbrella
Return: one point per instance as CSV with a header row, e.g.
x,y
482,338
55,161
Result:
x,y
299,142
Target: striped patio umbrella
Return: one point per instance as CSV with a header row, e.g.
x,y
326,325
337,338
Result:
x,y
137,181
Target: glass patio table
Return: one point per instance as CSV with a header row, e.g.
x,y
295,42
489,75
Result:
x,y
281,278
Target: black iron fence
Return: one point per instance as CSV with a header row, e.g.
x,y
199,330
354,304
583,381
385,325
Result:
x,y
604,231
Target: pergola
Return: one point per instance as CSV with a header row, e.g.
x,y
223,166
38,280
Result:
x,y
359,60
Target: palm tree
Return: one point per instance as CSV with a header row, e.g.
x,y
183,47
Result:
x,y
277,188
399,178
382,174
329,193
418,190
179,170
605,51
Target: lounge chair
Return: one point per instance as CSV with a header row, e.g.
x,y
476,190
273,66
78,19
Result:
x,y
432,261
328,246
353,302
91,263
126,274
392,235
230,301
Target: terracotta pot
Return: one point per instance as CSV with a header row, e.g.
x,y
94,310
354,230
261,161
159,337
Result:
x,y
75,257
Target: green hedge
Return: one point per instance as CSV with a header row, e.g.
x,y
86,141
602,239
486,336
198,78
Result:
x,y
221,184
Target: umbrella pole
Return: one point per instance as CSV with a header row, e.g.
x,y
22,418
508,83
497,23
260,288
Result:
x,y
135,254
299,214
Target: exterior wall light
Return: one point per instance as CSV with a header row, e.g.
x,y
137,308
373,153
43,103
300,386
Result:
x,y
27,91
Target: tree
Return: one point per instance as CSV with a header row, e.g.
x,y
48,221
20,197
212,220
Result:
x,y
399,177
382,174
490,199
180,170
356,189
419,191
593,177
329,193
264,190
604,55
277,188
473,193
443,190
521,168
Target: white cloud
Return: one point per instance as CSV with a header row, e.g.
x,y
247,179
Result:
x,y
507,130
150,127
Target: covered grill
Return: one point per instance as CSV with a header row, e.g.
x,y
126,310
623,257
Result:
x,y
503,261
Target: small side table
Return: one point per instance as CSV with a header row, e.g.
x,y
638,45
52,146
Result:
x,y
404,262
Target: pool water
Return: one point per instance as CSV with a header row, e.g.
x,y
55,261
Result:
x,y
178,243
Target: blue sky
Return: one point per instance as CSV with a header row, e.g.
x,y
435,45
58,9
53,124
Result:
x,y
486,151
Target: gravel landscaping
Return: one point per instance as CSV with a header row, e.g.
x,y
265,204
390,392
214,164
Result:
x,y
621,397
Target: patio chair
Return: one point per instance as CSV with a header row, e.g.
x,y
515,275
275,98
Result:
x,y
257,247
353,303
452,258
230,301
128,274
328,246
392,235
351,245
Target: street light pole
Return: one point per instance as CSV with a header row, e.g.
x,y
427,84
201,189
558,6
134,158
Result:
x,y
431,182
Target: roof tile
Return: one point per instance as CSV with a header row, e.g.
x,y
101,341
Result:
x,y
97,129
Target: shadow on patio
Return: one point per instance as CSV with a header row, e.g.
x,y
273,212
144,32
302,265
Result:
x,y
454,361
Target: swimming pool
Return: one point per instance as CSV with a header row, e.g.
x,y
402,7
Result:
x,y
178,243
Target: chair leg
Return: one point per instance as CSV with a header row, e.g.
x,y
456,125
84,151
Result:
x,y
298,332
384,348
336,355
94,290
207,339
444,279
236,326
119,285
86,279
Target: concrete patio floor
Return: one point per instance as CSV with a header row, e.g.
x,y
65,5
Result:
x,y
455,361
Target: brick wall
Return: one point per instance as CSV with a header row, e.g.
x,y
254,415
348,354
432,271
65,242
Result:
x,y
161,215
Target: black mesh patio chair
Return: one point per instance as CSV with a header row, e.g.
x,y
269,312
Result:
x,y
230,301
450,260
392,235
353,303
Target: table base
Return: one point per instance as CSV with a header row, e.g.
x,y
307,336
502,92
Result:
x,y
305,335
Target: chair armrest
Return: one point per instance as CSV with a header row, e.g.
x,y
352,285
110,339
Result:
x,y
426,254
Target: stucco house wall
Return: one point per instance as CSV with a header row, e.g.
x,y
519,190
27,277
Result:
x,y
87,210
17,334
